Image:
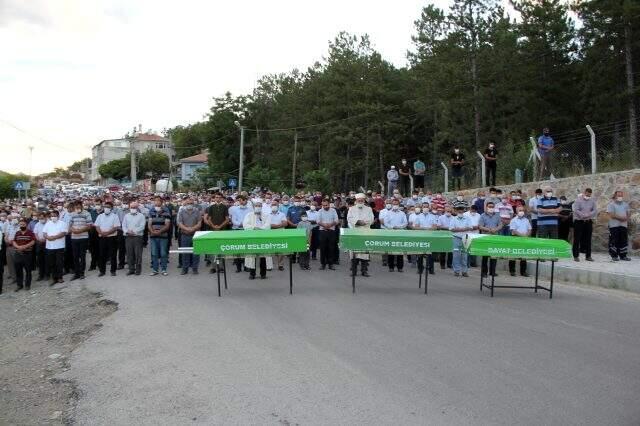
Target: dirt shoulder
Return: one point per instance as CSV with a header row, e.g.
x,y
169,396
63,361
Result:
x,y
38,331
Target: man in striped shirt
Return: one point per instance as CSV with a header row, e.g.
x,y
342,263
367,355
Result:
x,y
80,223
23,243
548,210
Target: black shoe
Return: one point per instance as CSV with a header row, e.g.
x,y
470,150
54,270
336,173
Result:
x,y
18,289
614,259
365,274
101,274
93,268
120,267
432,272
113,274
40,279
390,269
400,270
138,272
238,270
263,277
195,272
184,272
577,259
625,259
75,277
130,273
323,267
52,283
590,259
513,274
252,277
464,274
525,275
27,287
483,275
332,267
280,268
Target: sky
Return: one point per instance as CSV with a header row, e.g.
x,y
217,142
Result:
x,y
75,72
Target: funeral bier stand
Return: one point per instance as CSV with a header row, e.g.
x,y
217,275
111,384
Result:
x,y
514,248
395,242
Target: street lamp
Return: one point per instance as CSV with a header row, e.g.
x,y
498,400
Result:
x,y
241,168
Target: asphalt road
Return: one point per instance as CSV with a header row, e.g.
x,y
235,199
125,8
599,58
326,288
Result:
x,y
175,353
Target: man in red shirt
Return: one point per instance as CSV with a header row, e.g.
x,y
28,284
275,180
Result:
x,y
23,242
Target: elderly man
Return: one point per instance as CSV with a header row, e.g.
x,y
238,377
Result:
x,y
584,213
255,220
277,220
519,227
618,211
392,180
133,225
360,216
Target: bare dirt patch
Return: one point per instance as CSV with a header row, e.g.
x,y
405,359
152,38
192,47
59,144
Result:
x,y
38,331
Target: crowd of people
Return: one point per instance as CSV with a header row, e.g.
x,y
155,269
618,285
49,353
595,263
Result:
x,y
52,238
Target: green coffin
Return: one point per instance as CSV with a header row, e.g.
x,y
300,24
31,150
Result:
x,y
271,241
395,241
500,246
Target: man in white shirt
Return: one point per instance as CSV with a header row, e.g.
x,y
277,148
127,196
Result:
x,y
107,225
278,220
312,216
519,227
474,218
426,221
533,210
459,225
54,233
444,221
395,219
41,259
133,225
360,216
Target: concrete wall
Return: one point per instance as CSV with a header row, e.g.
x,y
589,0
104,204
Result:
x,y
603,185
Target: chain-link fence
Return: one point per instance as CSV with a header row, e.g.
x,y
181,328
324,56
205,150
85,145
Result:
x,y
590,149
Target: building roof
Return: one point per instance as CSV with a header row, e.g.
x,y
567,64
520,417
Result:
x,y
198,158
150,137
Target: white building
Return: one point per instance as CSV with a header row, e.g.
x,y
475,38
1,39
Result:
x,y
114,149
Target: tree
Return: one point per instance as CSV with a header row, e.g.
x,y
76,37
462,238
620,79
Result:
x,y
152,164
318,180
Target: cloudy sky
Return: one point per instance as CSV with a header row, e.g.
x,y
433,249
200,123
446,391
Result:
x,y
75,72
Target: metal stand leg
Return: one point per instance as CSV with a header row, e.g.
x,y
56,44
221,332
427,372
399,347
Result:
x,y
354,271
481,280
420,276
537,264
290,274
224,264
551,286
218,275
426,280
493,279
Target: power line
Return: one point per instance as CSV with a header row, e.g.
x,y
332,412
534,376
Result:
x,y
7,123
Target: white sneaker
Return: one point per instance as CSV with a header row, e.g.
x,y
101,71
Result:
x,y
153,273
165,273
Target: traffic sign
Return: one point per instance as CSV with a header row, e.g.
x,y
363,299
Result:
x,y
18,186
233,182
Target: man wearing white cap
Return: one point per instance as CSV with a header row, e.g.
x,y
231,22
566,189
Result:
x,y
360,216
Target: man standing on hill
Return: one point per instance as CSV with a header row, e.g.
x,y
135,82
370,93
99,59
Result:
x,y
419,169
392,180
457,161
405,173
545,148
491,157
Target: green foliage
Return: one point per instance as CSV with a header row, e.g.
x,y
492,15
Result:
x,y
150,164
318,180
476,75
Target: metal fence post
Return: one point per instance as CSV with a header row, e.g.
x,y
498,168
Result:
x,y
535,157
446,177
484,169
411,184
593,149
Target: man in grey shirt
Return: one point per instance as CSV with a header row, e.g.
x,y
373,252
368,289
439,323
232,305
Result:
x,y
584,212
79,224
189,221
327,221
489,223
133,225
618,211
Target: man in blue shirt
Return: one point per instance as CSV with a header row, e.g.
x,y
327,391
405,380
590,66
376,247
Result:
x,y
545,148
419,170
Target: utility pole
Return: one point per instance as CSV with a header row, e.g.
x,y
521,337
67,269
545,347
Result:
x,y
241,165
30,161
132,153
295,158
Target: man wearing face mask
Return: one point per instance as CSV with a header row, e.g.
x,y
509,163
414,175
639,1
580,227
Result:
x,y
312,215
360,216
10,229
41,261
395,219
457,162
619,213
489,223
584,213
545,149
107,225
405,173
548,211
419,170
133,225
519,227
159,225
444,223
94,247
278,220
217,217
80,223
120,209
54,232
237,214
327,222
533,211
491,158
381,220
23,243
459,226
392,180
189,221
255,220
